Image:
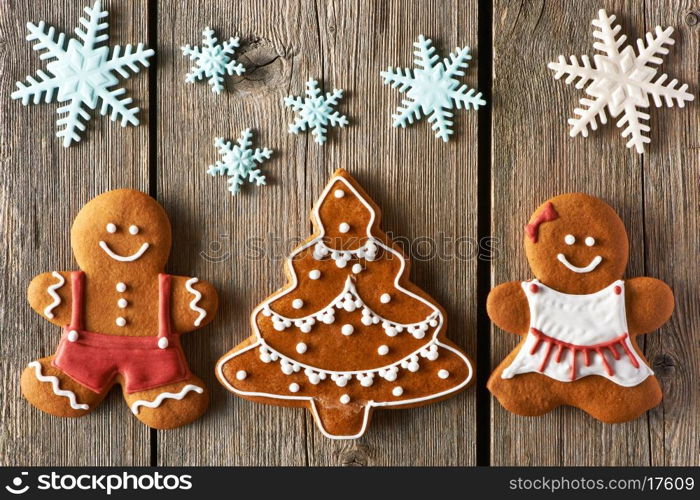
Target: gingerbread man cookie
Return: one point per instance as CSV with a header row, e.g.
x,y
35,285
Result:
x,y
121,318
349,332
578,318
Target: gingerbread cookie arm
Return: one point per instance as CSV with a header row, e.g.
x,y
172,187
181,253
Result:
x,y
649,303
508,308
194,303
49,295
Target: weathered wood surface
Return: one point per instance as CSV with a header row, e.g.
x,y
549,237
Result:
x,y
425,187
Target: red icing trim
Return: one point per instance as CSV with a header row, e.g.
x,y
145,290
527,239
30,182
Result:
x,y
587,350
163,305
76,319
546,215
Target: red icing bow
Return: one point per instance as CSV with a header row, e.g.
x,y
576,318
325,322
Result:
x,y
546,215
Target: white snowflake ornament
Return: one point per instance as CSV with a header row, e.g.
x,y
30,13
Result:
x,y
433,89
239,162
316,111
213,60
621,81
81,74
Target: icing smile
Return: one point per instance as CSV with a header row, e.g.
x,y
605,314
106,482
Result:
x,y
581,270
120,258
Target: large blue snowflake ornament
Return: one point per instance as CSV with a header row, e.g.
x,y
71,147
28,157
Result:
x,y
239,162
316,111
214,60
433,89
81,74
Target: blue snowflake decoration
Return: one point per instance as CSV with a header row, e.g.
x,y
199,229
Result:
x,y
316,111
82,74
433,89
239,162
213,60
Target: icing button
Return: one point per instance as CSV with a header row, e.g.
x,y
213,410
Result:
x,y
121,287
344,227
345,399
385,298
301,347
120,321
72,336
534,288
383,350
122,303
397,391
314,274
443,374
163,343
618,289
241,375
294,387
347,330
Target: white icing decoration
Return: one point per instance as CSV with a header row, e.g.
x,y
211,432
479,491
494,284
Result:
x,y
72,336
133,230
301,347
241,375
344,227
357,268
385,298
120,321
111,228
51,290
397,391
314,274
195,301
581,270
581,320
122,303
569,239
590,241
347,329
294,387
165,395
339,193
297,303
383,350
163,343
56,387
443,374
369,252
122,258
121,287
344,399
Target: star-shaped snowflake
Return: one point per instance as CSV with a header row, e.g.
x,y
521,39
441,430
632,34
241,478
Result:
x,y
433,89
239,162
316,111
82,74
621,81
213,60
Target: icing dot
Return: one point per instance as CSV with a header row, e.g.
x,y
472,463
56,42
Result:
x,y
534,288
163,343
120,321
297,303
344,227
111,228
122,303
618,290
314,274
345,399
383,350
301,347
590,241
443,374
72,336
339,193
241,375
293,387
357,268
133,229
385,298
569,239
121,287
347,329
397,391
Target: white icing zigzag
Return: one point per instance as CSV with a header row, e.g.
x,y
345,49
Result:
x,y
350,300
56,388
195,301
48,312
163,396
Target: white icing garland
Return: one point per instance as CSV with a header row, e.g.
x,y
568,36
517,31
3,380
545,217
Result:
x,y
350,300
51,290
163,396
56,388
368,251
195,301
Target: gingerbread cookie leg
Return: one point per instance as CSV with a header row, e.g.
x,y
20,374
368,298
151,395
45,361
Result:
x,y
49,389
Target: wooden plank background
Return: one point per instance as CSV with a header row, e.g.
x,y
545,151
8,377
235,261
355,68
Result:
x,y
426,188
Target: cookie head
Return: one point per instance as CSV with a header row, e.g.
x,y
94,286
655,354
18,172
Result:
x,y
576,244
121,229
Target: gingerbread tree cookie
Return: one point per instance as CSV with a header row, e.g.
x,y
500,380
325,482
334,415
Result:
x,y
349,332
122,318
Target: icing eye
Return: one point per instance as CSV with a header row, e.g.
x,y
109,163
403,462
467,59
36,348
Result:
x,y
133,229
111,228
569,239
590,241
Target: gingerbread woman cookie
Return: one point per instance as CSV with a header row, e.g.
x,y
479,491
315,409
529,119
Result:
x,y
578,318
349,332
121,318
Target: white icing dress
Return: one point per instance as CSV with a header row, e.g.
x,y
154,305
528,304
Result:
x,y
573,336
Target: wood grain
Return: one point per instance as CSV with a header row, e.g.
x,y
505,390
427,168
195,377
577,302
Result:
x,y
43,187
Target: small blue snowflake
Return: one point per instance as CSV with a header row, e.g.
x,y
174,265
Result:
x,y
213,60
82,74
433,89
239,162
316,111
